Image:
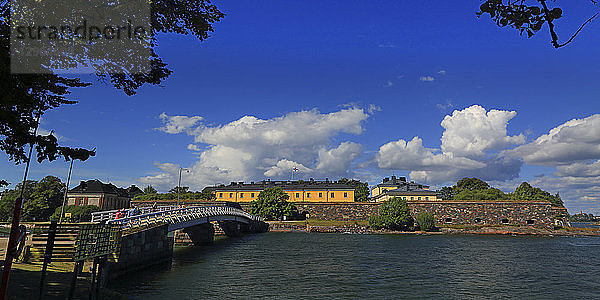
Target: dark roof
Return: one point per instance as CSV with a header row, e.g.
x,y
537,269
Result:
x,y
401,183
408,193
96,186
284,184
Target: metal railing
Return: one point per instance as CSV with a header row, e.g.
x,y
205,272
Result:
x,y
178,215
108,215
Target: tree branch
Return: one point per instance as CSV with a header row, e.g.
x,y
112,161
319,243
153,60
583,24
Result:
x,y
578,30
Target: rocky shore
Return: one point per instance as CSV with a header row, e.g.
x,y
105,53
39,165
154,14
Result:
x,y
491,230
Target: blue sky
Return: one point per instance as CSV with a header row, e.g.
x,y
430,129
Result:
x,y
335,88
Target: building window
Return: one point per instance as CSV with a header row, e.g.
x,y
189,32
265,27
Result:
x,y
332,195
530,222
404,197
504,221
345,195
297,195
477,220
307,195
320,195
220,195
448,220
418,198
426,198
230,195
412,198
251,195
241,195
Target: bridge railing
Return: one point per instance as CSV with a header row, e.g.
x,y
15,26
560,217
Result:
x,y
180,215
108,215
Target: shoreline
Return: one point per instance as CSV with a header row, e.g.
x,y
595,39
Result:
x,y
294,226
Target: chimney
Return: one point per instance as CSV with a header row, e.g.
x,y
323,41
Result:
x,y
326,179
394,178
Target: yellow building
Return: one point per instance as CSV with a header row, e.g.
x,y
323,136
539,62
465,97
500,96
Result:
x,y
399,187
299,191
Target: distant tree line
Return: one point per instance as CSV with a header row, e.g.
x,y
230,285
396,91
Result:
x,y
583,217
477,189
150,194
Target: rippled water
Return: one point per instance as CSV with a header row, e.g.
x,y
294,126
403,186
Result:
x,y
301,265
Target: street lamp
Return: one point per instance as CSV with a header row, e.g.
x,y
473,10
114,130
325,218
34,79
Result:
x,y
179,183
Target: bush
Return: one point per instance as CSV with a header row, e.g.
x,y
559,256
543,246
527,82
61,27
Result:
x,y
426,221
393,215
78,213
271,204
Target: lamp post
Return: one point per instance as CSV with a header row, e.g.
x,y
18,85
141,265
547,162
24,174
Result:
x,y
179,183
62,211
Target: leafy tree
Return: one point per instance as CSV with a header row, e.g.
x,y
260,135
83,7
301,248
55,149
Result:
x,y
393,214
528,16
79,213
526,192
447,193
150,190
207,195
181,189
40,199
361,189
272,204
26,97
426,221
476,189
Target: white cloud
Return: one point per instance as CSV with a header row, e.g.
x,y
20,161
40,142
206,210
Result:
x,y
468,146
193,147
473,131
388,84
387,46
580,169
251,148
443,107
575,140
442,72
177,124
337,161
427,78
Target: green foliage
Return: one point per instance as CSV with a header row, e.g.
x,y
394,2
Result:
x,y
426,221
583,217
476,189
271,204
204,195
447,193
393,214
526,192
26,97
181,189
40,199
150,190
361,189
526,16
79,213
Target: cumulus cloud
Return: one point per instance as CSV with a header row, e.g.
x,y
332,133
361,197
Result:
x,y
580,169
251,148
469,147
177,124
473,131
572,141
427,78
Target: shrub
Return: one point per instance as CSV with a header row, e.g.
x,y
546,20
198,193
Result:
x,y
426,221
393,214
78,213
